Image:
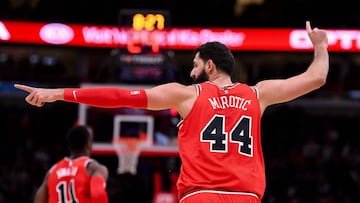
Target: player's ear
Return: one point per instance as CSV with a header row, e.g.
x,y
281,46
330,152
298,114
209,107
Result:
x,y
210,65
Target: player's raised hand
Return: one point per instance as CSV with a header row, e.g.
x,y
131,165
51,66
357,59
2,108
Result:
x,y
317,36
39,96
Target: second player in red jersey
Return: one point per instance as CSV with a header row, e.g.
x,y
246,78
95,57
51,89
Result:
x,y
77,178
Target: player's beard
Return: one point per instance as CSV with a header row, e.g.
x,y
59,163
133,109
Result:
x,y
203,77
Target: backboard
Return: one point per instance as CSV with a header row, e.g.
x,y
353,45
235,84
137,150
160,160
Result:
x,y
111,123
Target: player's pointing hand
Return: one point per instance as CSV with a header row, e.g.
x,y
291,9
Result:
x,y
39,96
317,36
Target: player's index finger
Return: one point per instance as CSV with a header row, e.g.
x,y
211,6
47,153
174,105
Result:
x,y
308,26
23,87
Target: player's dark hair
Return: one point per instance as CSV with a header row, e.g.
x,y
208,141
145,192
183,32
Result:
x,y
77,138
219,53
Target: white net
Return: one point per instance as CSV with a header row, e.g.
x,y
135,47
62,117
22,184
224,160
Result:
x,y
128,152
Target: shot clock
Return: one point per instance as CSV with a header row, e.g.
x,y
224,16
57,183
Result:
x,y
149,20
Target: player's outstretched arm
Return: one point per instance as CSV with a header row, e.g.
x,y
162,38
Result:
x,y
106,97
170,95
283,90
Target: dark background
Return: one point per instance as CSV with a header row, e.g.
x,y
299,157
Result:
x,y
311,145
219,13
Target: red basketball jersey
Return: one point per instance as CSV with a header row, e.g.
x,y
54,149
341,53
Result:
x,y
69,181
219,141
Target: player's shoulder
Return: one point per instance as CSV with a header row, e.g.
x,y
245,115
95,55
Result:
x,y
95,166
58,164
93,163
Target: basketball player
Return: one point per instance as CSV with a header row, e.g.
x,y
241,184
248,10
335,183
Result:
x,y
76,178
219,135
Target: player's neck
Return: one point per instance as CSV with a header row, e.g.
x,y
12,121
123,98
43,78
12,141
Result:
x,y
77,155
221,80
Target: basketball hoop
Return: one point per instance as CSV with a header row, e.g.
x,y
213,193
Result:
x,y
128,151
